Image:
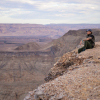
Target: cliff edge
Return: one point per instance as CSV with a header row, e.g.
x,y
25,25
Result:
x,y
73,77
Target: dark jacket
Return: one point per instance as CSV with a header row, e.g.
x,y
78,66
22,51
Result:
x,y
92,41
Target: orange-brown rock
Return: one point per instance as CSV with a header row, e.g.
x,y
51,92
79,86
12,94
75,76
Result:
x,y
81,81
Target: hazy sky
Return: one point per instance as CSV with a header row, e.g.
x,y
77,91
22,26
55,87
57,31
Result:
x,y
50,11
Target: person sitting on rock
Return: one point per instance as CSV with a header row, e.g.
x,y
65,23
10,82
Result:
x,y
89,42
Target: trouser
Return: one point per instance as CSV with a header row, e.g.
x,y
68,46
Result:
x,y
87,45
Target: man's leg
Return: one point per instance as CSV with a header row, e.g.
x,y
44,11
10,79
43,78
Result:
x,y
87,45
81,49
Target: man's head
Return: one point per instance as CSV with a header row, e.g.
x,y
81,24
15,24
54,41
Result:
x,y
89,31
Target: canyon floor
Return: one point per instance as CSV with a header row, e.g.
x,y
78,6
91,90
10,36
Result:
x,y
23,69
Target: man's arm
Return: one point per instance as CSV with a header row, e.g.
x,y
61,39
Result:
x,y
87,39
80,42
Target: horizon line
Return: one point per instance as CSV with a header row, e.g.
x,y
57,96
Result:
x,y
52,23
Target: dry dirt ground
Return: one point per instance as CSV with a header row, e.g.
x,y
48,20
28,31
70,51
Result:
x,y
79,81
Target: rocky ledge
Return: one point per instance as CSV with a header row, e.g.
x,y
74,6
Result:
x,y
73,77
